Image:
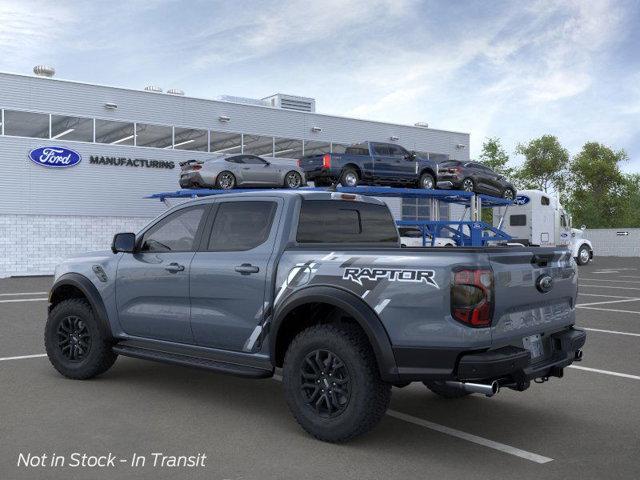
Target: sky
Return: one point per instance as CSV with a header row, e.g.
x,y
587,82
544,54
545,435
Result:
x,y
514,70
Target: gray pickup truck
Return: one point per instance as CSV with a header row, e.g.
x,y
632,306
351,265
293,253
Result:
x,y
316,283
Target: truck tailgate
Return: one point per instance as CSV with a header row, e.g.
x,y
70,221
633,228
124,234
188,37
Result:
x,y
535,293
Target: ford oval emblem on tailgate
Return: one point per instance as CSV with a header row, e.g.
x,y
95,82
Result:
x,y
56,157
544,283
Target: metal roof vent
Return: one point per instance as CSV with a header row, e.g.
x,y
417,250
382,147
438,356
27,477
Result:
x,y
44,71
153,88
175,91
292,102
422,124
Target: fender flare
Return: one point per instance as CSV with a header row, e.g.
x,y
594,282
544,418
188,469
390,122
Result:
x,y
580,244
355,307
92,295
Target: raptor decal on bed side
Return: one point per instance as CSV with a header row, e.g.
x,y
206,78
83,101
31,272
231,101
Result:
x,y
356,274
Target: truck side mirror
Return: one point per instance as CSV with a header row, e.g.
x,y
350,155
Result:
x,y
583,227
123,242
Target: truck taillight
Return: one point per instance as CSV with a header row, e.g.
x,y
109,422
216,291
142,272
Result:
x,y
326,161
299,162
472,296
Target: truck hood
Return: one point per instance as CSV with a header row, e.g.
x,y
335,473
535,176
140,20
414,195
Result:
x,y
577,233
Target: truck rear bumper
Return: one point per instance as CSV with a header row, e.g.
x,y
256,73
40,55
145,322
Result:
x,y
509,365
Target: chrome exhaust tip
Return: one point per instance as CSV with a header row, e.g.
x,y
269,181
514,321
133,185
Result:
x,y
489,390
578,355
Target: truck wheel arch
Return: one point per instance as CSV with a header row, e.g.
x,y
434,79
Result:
x,y
72,285
428,170
354,167
350,304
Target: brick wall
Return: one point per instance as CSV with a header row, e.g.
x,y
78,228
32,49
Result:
x,y
34,244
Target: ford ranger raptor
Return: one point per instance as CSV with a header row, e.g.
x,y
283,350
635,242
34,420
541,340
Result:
x,y
316,284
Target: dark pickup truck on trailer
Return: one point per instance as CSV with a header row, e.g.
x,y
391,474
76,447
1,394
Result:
x,y
316,283
371,163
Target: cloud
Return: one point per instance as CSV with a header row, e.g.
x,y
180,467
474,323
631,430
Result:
x,y
31,29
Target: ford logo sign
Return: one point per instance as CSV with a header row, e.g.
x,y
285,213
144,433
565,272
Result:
x,y
521,200
56,157
544,283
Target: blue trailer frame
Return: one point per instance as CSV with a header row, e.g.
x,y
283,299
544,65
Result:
x,y
473,233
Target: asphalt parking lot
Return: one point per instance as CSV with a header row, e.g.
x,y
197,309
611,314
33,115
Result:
x,y
586,425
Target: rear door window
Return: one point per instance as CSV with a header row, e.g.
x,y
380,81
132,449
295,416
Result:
x,y
381,150
241,226
338,221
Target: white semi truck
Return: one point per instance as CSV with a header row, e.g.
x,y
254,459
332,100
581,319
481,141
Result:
x,y
537,218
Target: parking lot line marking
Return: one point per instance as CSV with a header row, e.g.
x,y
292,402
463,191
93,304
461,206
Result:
x,y
608,309
606,372
609,301
609,286
600,295
611,331
22,293
22,357
607,280
15,300
533,457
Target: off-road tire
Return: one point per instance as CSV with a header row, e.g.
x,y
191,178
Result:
x,y
98,358
346,172
446,391
369,396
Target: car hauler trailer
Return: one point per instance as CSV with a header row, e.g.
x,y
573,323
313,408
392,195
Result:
x,y
471,232
537,218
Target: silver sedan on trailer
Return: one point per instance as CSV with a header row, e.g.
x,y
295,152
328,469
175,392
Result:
x,y
230,171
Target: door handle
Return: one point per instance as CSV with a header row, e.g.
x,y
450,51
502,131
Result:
x,y
247,268
174,267
246,168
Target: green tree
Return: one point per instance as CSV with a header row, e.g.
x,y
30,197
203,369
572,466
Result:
x,y
495,157
600,192
631,198
545,164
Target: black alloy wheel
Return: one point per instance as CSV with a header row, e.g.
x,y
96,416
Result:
x,y
325,383
74,339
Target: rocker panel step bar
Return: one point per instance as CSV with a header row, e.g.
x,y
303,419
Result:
x,y
191,361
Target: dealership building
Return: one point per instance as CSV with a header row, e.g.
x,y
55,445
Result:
x,y
129,144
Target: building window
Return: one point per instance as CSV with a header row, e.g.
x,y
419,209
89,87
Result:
x,y
72,128
26,124
258,145
224,142
114,133
157,136
287,148
316,148
190,139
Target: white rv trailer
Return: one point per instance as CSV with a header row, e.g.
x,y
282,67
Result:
x,y
537,218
